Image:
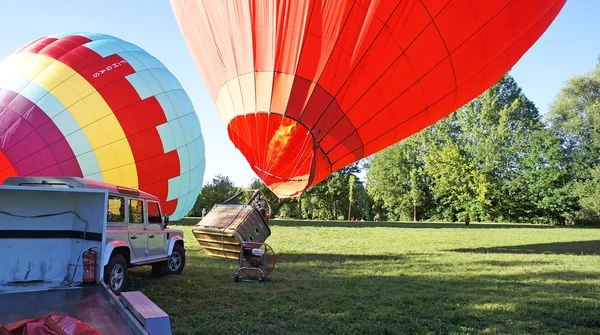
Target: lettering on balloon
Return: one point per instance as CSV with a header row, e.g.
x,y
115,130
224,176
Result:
x,y
108,68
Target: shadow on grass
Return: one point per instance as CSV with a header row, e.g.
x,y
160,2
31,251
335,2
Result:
x,y
558,248
426,225
337,258
511,263
336,298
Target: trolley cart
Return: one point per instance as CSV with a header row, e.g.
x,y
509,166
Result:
x,y
256,260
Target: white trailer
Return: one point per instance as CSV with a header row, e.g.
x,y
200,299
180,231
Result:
x,y
44,232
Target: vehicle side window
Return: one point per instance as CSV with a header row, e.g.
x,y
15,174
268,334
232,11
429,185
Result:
x,y
136,211
116,209
154,213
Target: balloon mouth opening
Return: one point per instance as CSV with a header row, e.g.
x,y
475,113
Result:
x,y
279,149
284,188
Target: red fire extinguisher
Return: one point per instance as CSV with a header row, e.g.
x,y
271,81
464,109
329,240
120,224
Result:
x,y
89,266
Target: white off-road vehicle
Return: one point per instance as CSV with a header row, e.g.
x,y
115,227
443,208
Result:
x,y
136,232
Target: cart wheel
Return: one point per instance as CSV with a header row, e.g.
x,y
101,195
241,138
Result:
x,y
261,279
236,278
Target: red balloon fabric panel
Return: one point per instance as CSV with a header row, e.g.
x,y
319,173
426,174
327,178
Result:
x,y
306,87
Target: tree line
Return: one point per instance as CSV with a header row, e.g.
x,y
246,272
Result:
x,y
495,159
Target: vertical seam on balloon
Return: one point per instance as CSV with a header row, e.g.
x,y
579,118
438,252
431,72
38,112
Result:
x,y
236,139
301,49
237,78
411,86
258,160
478,72
447,50
383,73
344,113
374,87
334,95
256,97
225,83
479,32
254,76
355,68
512,20
316,80
276,16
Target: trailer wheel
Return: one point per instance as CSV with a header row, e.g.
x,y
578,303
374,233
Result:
x,y
176,261
115,274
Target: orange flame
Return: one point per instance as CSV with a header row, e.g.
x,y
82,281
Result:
x,y
281,137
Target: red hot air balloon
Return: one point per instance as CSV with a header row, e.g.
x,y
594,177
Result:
x,y
306,87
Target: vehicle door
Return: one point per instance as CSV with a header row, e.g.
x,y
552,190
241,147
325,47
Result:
x,y
138,228
157,238
117,229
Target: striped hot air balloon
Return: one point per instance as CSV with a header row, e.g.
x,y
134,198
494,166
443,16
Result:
x,y
94,106
306,87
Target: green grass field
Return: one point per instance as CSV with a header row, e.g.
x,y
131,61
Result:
x,y
390,278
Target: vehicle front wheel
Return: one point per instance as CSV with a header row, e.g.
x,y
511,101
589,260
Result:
x,y
115,274
177,260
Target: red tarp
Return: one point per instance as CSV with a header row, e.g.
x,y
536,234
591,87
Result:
x,y
51,324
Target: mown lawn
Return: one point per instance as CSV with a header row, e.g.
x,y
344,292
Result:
x,y
390,278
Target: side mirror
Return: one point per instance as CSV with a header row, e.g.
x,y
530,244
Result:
x,y
166,220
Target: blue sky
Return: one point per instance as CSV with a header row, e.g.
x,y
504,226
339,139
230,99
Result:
x,y
570,46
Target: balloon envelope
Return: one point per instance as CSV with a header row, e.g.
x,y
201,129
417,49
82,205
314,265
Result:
x,y
306,87
94,106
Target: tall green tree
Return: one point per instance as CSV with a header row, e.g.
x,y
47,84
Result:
x,y
392,185
575,116
484,160
329,199
587,192
453,180
216,191
496,130
351,182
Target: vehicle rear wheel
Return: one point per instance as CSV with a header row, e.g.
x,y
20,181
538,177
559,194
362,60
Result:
x,y
115,274
176,261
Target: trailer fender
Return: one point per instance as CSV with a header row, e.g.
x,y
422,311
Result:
x,y
110,247
172,242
